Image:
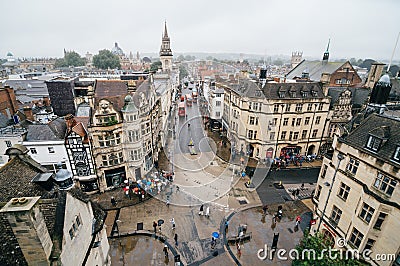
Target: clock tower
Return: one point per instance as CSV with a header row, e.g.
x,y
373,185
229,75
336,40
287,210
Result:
x,y
165,51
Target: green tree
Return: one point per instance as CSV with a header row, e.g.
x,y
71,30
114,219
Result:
x,y
155,66
181,58
367,63
106,59
70,59
320,245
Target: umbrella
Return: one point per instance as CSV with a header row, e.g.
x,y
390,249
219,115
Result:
x,y
160,222
157,179
148,183
215,234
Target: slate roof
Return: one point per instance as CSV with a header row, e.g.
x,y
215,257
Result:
x,y
314,68
359,96
245,88
4,121
146,89
376,124
112,90
54,130
32,88
272,90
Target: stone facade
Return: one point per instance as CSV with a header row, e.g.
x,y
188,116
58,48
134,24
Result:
x,y
280,117
357,192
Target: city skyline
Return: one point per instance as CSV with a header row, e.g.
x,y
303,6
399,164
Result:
x,y
359,29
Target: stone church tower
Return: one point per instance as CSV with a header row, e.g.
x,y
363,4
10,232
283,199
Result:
x,y
165,51
296,58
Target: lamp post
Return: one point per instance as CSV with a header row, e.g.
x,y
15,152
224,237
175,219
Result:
x,y
340,158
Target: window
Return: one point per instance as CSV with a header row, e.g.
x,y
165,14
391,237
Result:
x,y
217,114
283,134
385,184
71,233
320,106
335,215
356,238
290,135
252,134
343,191
309,107
373,143
8,144
285,121
352,166
317,120
396,155
276,108
293,121
33,150
133,135
304,94
295,135
324,169
304,134
145,128
317,192
314,133
287,107
78,220
51,149
253,120
109,139
274,121
370,244
255,106
307,121
272,136
379,221
217,103
135,155
112,159
366,213
281,94
299,107
298,122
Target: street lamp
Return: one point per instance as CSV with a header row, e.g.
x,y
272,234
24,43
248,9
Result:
x,y
340,158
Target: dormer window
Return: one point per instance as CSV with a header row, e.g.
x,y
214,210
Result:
x,y
396,155
293,94
281,94
374,143
314,93
304,94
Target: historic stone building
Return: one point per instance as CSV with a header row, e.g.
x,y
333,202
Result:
x,y
165,51
276,120
357,196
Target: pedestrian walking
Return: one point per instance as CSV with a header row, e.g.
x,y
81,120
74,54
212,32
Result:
x,y
226,226
173,223
155,226
201,209
239,250
208,212
165,249
265,208
113,202
176,239
298,220
213,242
167,203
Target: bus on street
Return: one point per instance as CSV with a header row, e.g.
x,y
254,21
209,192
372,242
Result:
x,y
188,100
181,109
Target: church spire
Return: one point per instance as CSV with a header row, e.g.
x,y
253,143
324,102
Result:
x,y
326,54
165,30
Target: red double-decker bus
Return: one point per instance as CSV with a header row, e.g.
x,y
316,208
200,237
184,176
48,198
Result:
x,y
181,109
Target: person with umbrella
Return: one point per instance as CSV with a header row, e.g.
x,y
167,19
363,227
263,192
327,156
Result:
x,y
201,209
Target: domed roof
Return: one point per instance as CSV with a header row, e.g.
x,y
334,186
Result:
x,y
62,175
128,98
385,79
9,54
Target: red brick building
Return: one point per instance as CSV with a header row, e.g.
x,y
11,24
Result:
x,y
8,102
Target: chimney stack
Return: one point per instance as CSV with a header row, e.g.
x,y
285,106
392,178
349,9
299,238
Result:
x,y
29,227
28,113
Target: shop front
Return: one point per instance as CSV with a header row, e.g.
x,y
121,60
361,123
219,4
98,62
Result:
x,y
115,177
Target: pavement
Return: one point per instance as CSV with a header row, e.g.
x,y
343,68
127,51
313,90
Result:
x,y
206,179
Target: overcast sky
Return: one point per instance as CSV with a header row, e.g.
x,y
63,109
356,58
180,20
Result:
x,y
357,28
